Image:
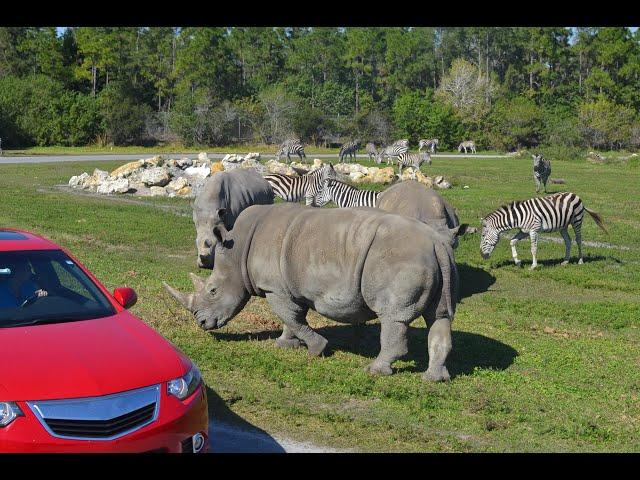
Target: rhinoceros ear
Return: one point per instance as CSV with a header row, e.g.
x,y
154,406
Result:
x,y
221,213
220,234
459,230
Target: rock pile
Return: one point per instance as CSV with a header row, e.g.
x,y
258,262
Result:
x,y
150,177
157,176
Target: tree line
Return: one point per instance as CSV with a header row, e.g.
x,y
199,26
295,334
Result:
x,y
505,88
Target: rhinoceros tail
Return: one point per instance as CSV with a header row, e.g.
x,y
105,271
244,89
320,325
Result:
x,y
449,273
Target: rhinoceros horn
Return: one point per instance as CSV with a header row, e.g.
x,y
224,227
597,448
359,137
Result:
x,y
198,282
184,299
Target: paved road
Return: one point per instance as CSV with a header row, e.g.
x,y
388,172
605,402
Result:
x,y
216,156
227,438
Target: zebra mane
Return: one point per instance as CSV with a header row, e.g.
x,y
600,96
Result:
x,y
506,207
330,181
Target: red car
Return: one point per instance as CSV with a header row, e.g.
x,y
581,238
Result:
x,y
79,373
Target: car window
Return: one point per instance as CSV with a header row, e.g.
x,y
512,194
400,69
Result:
x,y
47,286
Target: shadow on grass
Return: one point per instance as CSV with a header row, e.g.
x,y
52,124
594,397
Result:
x,y
470,350
473,280
230,433
552,262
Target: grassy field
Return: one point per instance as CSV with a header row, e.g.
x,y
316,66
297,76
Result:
x,y
547,360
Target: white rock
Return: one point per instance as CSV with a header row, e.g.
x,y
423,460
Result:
x,y
157,176
252,156
203,158
184,163
177,183
78,180
119,185
466,186
200,172
157,191
355,176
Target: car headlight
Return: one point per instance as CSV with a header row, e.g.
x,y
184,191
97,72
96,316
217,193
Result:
x,y
9,411
183,387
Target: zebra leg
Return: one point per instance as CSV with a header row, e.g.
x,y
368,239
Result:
x,y
537,184
288,339
439,342
293,315
393,345
567,245
577,228
533,234
518,236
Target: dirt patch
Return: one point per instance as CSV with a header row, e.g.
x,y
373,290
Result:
x,y
588,243
181,211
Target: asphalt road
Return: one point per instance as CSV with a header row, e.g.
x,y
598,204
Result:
x,y
217,156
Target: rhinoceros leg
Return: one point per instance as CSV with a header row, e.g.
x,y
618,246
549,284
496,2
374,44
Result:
x,y
288,339
393,345
439,348
293,316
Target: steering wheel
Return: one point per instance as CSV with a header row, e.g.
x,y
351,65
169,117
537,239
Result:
x,y
31,299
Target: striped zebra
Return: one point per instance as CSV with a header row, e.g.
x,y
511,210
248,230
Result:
x,y
289,147
467,144
413,160
431,144
350,149
371,150
294,189
539,214
390,152
541,171
345,195
401,143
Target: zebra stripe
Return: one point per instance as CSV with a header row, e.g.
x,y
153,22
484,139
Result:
x,y
345,195
391,151
294,189
401,143
289,147
467,144
349,148
413,160
432,144
541,171
539,214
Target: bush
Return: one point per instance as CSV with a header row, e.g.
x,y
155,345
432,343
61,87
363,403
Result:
x,y
37,110
124,120
605,124
515,123
416,115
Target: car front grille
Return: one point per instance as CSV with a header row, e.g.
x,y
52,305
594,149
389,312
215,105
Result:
x,y
99,418
101,428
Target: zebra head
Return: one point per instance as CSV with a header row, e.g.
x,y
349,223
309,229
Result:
x,y
537,160
488,239
324,195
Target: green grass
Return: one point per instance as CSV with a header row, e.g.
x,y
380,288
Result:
x,y
547,360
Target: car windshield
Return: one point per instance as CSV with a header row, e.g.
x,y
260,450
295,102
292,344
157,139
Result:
x,y
46,287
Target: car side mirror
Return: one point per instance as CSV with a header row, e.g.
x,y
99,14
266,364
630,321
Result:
x,y
125,296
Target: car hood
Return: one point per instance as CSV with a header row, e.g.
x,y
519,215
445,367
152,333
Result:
x,y
85,358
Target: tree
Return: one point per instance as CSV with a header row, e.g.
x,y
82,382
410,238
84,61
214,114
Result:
x,y
466,89
605,124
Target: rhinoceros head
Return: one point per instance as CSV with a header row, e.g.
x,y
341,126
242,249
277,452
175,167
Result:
x,y
220,297
205,220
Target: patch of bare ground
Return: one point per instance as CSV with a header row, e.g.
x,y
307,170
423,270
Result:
x,y
588,243
179,210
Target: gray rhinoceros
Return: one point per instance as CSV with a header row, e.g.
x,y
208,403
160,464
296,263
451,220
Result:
x,y
350,265
232,192
415,200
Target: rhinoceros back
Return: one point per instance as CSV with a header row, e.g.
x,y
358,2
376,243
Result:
x,y
337,260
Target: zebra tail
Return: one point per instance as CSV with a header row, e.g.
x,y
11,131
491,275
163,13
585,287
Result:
x,y
449,272
598,219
